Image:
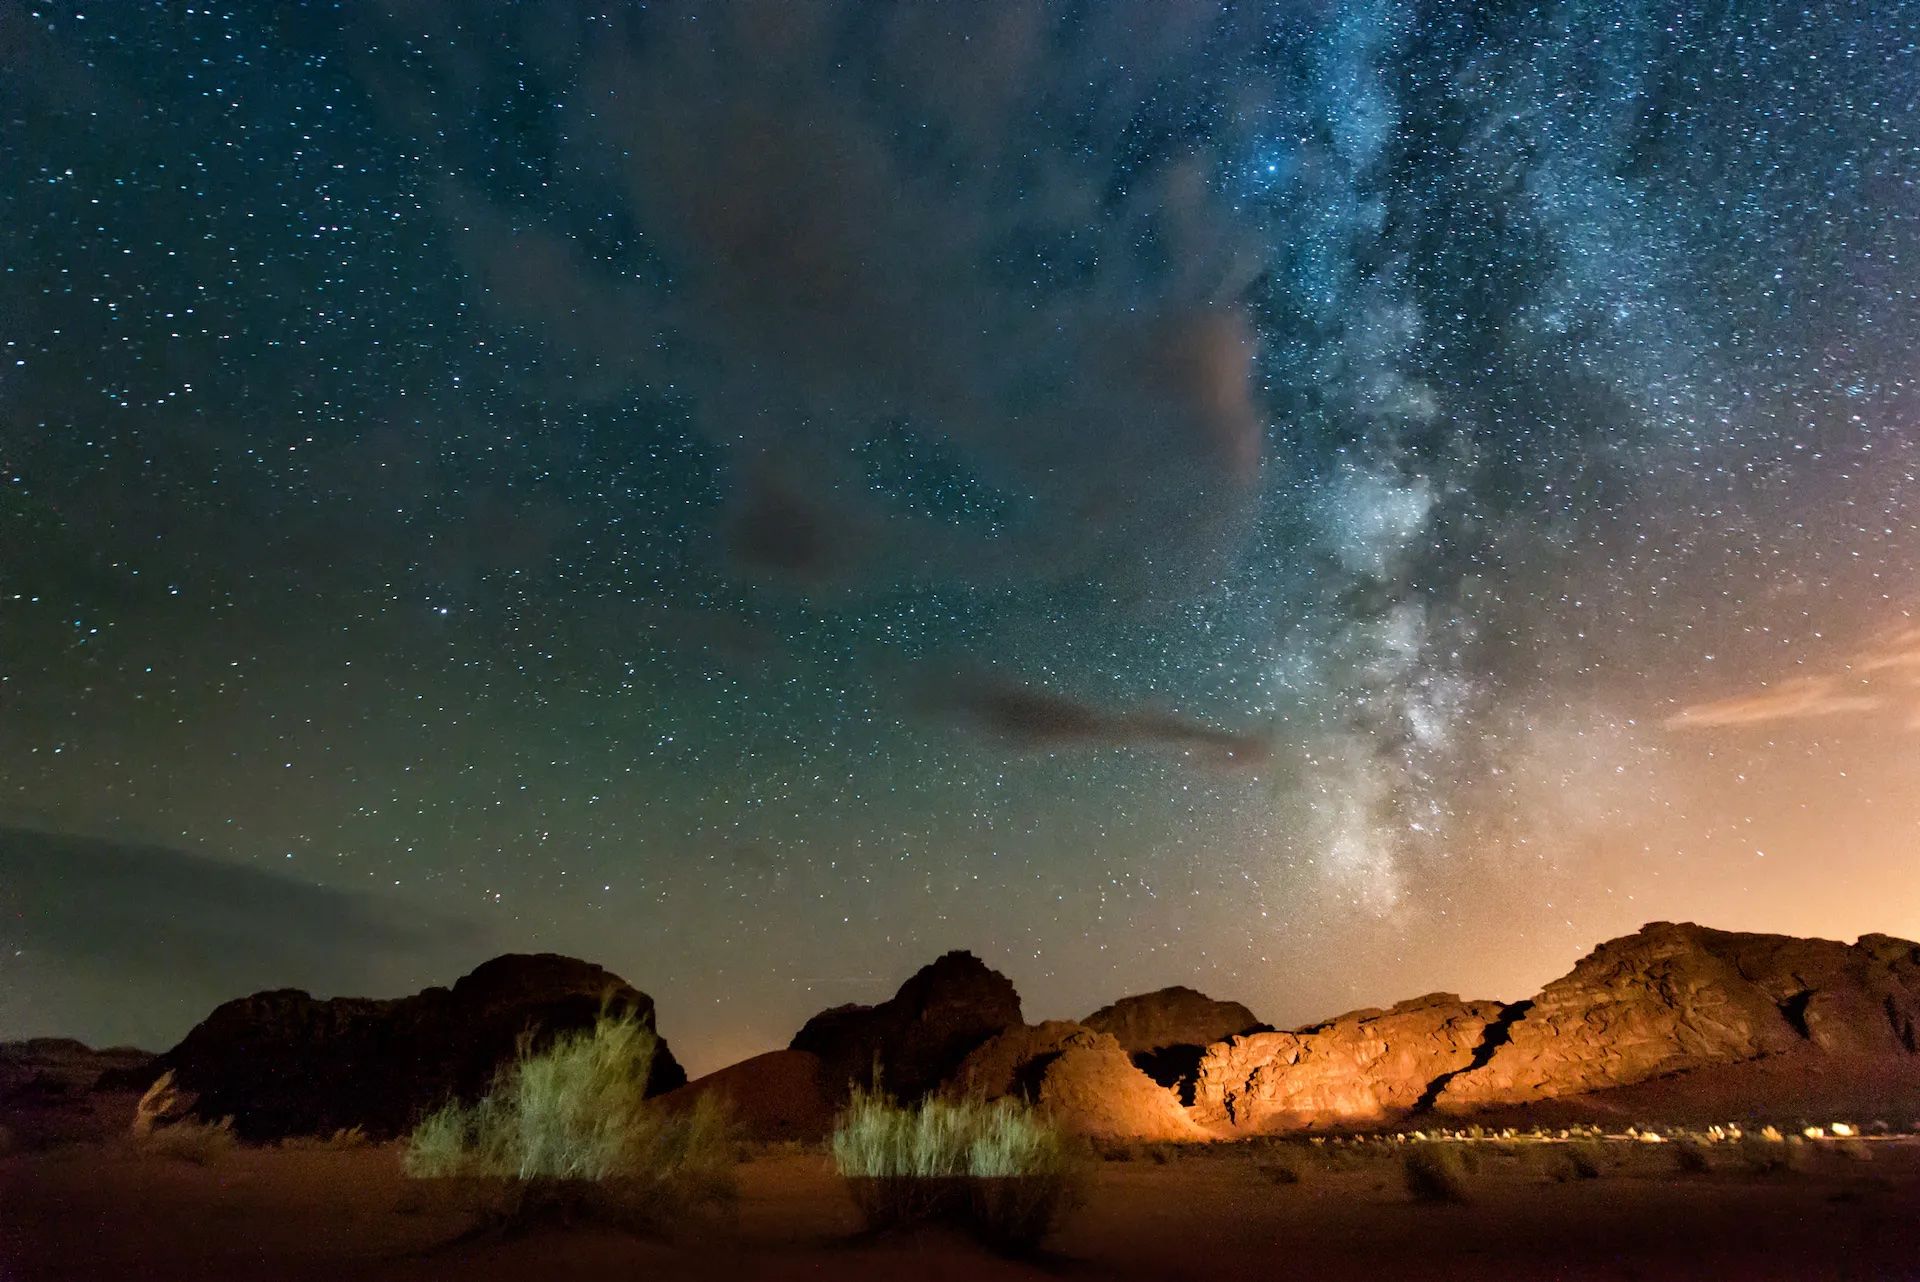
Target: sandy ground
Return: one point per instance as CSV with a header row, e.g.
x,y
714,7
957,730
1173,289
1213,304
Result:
x,y
105,1211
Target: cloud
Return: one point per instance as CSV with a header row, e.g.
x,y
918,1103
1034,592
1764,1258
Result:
x,y
1794,700
1035,718
891,220
1897,652
1893,659
116,941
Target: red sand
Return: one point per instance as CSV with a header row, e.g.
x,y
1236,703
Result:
x,y
105,1212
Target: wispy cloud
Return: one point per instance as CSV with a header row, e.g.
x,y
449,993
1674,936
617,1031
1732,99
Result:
x,y
1897,652
1862,686
1031,717
1794,700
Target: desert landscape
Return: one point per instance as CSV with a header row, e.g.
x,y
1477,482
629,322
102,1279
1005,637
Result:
x,y
1218,640
1684,1103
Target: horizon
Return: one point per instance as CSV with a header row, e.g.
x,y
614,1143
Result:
x,y
700,1058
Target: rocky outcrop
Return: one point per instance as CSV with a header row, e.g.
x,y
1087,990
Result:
x,y
1176,1016
46,1067
1367,1068
781,1095
1745,1016
919,1035
55,1090
284,1063
1167,1032
1675,998
1083,1078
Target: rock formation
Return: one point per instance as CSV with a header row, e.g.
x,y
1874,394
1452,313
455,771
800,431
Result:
x,y
55,1090
919,1035
1771,1011
1672,1022
781,1095
1176,1016
1167,1032
1673,998
284,1063
1083,1078
1366,1068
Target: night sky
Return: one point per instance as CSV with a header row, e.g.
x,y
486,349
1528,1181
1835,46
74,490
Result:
x,y
1319,501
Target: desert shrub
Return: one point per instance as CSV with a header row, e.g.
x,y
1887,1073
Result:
x,y
1587,1159
1765,1156
1282,1166
999,1170
202,1143
570,1130
161,1103
1692,1156
347,1137
1435,1172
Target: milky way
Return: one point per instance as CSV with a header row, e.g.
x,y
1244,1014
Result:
x,y
1308,500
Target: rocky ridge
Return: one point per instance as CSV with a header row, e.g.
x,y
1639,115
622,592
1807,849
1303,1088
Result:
x,y
284,1063
1667,1001
915,1038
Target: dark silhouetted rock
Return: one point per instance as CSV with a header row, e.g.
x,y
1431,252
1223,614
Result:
x,y
284,1063
781,1095
1675,998
56,1090
1366,1068
1083,1078
1167,1032
919,1035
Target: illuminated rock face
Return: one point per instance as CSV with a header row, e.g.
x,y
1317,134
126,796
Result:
x,y
1167,1032
1663,1002
1367,1068
1082,1078
1673,998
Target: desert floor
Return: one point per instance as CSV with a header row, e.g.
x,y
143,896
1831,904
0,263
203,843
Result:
x,y
105,1210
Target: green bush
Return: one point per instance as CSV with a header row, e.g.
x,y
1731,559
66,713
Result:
x,y
569,1129
998,1170
1436,1173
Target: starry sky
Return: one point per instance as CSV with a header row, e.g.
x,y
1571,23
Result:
x,y
1318,501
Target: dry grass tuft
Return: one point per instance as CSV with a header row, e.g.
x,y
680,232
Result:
x,y
1283,1164
342,1140
1692,1157
1587,1159
201,1143
998,1170
1770,1154
1436,1172
569,1131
